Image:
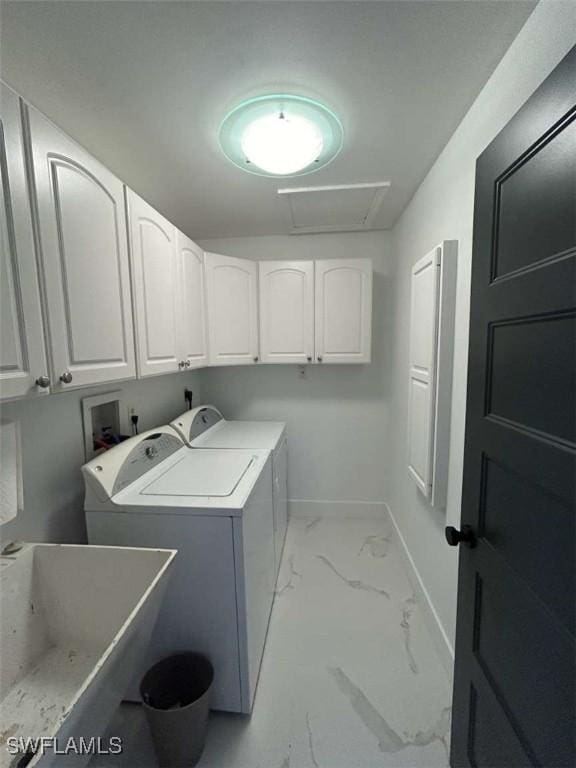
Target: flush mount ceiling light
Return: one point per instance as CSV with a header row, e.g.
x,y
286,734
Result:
x,y
281,135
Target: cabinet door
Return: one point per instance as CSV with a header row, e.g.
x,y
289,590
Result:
x,y
286,291
192,324
156,295
22,351
85,260
232,310
343,310
423,335
432,317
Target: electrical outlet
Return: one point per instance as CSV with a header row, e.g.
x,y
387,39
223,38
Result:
x,y
188,395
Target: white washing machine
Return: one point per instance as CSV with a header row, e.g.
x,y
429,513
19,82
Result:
x,y
215,508
205,427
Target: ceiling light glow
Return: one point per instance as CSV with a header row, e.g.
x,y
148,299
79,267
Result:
x,y
281,135
282,144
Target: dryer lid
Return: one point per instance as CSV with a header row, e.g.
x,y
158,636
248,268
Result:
x,y
191,424
201,473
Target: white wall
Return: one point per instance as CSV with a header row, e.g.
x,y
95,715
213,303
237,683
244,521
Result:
x,y
53,451
443,209
337,415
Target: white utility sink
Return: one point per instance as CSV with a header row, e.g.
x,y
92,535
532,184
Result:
x,y
75,621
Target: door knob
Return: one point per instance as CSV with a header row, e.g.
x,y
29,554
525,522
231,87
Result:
x,y
455,537
43,381
66,377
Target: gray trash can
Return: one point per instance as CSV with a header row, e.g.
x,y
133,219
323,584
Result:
x,y
176,696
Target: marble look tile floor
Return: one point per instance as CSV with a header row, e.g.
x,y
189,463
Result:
x,y
350,676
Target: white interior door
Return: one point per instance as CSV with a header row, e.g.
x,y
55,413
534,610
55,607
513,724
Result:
x,y
286,290
22,352
85,260
343,310
232,310
156,296
192,325
423,339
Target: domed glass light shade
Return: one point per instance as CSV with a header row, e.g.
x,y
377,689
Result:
x,y
281,135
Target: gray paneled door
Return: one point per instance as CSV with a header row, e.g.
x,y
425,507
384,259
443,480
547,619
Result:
x,y
515,677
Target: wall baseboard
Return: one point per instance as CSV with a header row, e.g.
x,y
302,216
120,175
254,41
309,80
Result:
x,y
439,636
325,508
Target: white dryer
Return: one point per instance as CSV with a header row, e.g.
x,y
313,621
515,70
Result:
x,y
205,427
215,508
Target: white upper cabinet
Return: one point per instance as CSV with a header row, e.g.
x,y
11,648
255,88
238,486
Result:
x,y
232,310
192,326
22,351
286,311
85,261
343,310
432,307
155,272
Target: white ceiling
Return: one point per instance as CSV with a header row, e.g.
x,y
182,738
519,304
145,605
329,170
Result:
x,y
144,85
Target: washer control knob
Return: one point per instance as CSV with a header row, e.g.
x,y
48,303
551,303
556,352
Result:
x,y
150,451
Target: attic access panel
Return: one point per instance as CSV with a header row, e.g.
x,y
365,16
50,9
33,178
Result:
x,y
336,208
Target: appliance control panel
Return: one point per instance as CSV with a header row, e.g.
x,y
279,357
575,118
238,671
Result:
x,y
114,470
194,423
150,452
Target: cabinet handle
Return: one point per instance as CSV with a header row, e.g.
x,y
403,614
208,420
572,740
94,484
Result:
x,y
319,358
43,381
66,377
188,363
256,359
309,358
181,364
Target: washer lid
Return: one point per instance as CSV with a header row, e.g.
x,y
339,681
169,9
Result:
x,y
242,434
201,473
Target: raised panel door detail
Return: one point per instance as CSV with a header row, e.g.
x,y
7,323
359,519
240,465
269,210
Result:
x,y
518,350
13,352
535,203
22,351
192,325
232,310
423,331
84,207
286,311
343,310
420,433
517,675
432,308
85,260
154,261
